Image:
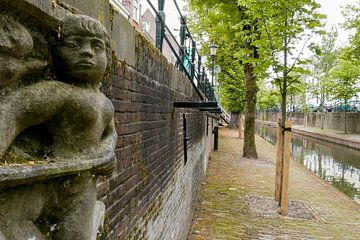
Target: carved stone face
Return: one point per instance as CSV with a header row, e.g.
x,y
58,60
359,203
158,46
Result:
x,y
84,58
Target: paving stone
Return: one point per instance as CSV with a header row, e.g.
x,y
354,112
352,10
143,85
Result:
x,y
226,211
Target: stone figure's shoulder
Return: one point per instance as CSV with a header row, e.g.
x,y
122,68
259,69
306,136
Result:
x,y
107,103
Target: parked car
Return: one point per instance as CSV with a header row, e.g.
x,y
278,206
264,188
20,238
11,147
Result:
x,y
341,107
329,108
311,108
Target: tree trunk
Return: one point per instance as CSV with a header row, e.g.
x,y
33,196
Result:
x,y
234,120
283,108
249,149
251,89
345,121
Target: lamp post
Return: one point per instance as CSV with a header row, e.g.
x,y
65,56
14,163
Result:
x,y
217,70
160,22
213,48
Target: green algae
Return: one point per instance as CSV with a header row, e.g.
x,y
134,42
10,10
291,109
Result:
x,y
11,158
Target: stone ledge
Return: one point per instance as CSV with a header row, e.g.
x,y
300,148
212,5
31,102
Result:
x,y
15,175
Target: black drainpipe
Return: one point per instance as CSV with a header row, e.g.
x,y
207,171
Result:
x,y
186,139
216,137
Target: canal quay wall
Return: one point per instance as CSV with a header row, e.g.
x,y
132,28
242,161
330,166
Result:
x,y
152,193
330,120
333,136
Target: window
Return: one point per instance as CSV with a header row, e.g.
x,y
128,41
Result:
x,y
145,27
136,11
121,8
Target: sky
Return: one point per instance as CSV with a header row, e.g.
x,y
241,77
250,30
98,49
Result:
x,y
332,8
172,17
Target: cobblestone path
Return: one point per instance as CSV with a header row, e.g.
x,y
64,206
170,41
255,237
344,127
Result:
x,y
237,200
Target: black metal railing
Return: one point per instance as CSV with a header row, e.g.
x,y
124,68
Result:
x,y
188,59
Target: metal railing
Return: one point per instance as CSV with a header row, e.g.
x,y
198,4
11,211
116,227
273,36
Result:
x,y
189,61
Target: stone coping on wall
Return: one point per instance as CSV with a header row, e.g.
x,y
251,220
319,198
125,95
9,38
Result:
x,y
12,175
329,137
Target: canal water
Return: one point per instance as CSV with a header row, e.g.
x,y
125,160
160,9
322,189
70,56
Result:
x,y
338,165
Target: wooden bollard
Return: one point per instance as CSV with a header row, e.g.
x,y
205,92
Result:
x,y
240,127
285,173
278,162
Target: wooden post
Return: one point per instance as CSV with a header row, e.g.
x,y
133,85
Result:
x,y
285,178
278,162
240,127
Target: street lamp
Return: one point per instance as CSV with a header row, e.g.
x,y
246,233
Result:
x,y
160,23
213,48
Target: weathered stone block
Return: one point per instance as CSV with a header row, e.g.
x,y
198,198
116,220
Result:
x,y
123,37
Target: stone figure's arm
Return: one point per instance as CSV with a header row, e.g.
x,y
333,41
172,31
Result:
x,y
109,137
28,106
107,148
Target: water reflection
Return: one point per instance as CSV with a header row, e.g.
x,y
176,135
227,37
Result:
x,y
338,165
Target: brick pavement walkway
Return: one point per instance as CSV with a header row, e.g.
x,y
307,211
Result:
x,y
237,196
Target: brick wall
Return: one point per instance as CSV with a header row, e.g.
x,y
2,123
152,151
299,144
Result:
x,y
152,193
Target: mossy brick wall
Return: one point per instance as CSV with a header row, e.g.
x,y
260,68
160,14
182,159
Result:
x,y
152,193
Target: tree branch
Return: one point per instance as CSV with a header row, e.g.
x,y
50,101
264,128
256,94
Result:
x,y
271,45
298,56
291,82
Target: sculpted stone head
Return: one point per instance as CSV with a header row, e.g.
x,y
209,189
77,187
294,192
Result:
x,y
15,44
82,50
15,39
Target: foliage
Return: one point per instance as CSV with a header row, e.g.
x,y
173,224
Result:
x,y
256,34
347,71
216,22
232,90
280,25
323,60
345,78
352,22
268,99
274,28
293,21
213,21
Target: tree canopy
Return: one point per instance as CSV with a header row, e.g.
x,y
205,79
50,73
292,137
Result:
x,y
255,36
345,77
352,22
212,22
323,60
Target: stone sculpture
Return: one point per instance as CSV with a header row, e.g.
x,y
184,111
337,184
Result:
x,y
64,121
